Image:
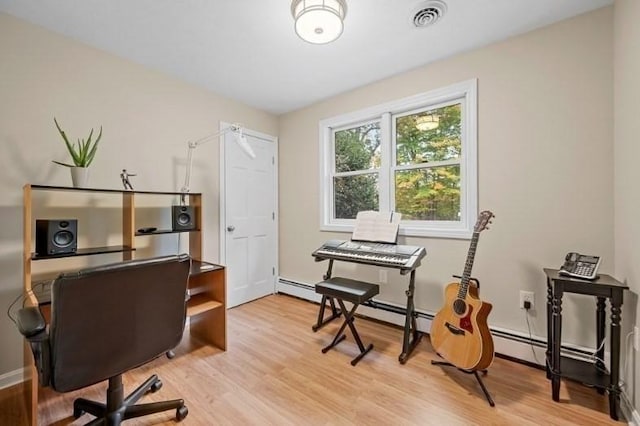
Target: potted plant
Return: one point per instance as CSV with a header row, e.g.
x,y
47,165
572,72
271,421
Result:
x,y
82,154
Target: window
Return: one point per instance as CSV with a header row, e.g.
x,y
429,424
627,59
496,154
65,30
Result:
x,y
416,156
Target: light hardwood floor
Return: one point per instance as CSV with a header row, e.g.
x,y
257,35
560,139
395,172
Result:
x,y
273,373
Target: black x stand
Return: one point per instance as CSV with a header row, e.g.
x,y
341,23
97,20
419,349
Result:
x,y
335,313
355,292
487,395
340,336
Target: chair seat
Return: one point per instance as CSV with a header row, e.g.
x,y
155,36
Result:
x,y
347,289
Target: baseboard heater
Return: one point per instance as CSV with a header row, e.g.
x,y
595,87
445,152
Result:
x,y
387,307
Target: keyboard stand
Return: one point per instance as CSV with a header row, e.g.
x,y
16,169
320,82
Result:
x,y
411,336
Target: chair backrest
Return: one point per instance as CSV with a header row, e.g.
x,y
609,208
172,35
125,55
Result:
x,y
109,319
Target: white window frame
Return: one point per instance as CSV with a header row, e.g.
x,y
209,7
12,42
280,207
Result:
x,y
465,93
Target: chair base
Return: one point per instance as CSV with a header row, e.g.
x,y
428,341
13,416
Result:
x,y
118,408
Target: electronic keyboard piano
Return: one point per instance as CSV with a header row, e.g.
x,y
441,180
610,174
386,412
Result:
x,y
405,258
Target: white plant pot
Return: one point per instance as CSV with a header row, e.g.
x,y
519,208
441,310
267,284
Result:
x,y
80,177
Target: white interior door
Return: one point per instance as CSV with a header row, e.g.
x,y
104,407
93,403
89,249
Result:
x,y
249,217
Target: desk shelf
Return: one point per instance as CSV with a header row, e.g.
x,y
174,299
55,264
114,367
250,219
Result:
x,y
199,267
84,252
105,190
206,309
201,303
164,231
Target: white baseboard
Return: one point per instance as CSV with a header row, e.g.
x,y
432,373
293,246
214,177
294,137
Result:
x,y
507,342
11,378
628,410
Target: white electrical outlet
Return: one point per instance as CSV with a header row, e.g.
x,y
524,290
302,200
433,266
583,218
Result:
x,y
636,338
527,296
382,276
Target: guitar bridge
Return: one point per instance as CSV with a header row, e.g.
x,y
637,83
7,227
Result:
x,y
453,329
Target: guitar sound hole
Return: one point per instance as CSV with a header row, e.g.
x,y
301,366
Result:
x,y
459,306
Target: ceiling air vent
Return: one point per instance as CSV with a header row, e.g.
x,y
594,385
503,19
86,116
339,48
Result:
x,y
428,13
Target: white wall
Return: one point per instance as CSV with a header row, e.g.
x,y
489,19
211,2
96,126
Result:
x,y
147,119
545,169
627,173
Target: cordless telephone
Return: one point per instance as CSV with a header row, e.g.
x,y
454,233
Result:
x,y
580,266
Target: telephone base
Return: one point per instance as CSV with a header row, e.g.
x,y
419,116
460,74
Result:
x,y
579,277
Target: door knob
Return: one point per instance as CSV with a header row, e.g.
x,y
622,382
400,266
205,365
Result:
x,y
231,228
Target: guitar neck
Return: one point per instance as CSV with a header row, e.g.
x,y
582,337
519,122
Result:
x,y
466,275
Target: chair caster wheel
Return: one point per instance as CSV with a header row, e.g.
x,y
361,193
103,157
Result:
x,y
156,386
170,354
181,413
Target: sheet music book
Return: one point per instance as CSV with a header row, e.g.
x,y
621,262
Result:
x,y
375,226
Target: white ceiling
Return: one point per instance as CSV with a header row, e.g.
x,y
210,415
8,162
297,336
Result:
x,y
247,49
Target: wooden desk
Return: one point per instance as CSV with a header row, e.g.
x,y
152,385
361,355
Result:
x,y
206,308
594,374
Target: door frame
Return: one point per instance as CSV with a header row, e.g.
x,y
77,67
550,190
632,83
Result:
x,y
222,232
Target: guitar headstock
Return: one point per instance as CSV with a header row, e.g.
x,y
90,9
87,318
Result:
x,y
484,219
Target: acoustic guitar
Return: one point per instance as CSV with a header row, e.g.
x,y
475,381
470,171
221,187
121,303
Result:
x,y
459,332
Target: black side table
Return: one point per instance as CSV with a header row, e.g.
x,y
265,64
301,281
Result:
x,y
593,374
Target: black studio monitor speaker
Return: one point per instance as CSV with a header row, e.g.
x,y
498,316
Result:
x,y
183,218
56,236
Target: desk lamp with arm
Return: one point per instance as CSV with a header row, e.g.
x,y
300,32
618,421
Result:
x,y
240,139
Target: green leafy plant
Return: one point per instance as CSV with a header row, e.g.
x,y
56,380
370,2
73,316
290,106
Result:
x,y
82,152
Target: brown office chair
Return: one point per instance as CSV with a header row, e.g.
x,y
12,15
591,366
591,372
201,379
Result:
x,y
105,321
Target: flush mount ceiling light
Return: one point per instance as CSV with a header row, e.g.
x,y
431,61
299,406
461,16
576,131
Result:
x,y
319,21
